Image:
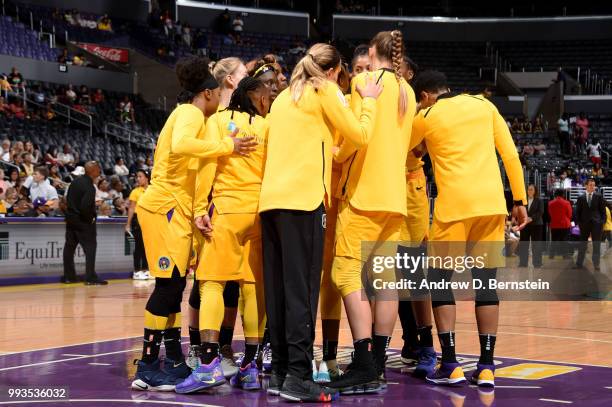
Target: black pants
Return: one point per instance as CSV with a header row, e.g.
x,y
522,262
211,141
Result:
x,y
140,257
292,261
531,233
594,230
85,235
564,141
558,242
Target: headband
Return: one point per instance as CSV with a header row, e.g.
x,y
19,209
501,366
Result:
x,y
263,69
210,83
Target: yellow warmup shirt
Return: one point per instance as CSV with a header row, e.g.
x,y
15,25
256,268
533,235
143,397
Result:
x,y
374,177
608,224
136,194
299,158
413,162
462,134
174,173
236,179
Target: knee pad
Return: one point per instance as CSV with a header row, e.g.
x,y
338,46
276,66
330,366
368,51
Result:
x,y
440,295
231,292
194,296
485,295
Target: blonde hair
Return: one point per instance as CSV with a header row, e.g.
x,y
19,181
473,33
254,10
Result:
x,y
389,45
311,68
225,67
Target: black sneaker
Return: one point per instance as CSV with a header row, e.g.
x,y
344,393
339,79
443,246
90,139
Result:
x,y
362,378
97,281
295,389
275,384
382,376
410,354
68,280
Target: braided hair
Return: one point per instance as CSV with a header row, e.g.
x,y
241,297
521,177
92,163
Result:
x,y
241,100
390,46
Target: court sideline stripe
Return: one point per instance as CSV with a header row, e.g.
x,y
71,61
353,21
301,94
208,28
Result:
x,y
557,401
68,346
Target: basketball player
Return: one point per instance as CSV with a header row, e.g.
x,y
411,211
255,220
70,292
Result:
x,y
303,120
361,60
165,215
234,250
463,133
373,208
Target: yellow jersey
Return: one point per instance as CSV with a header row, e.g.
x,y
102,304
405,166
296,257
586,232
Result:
x,y
136,194
173,176
234,179
297,173
608,224
374,177
462,134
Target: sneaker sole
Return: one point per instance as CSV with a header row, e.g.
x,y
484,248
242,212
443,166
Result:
x,y
142,386
484,383
204,386
448,382
366,388
273,392
298,397
423,373
407,361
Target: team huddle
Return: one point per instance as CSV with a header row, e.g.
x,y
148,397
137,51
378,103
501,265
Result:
x,y
268,189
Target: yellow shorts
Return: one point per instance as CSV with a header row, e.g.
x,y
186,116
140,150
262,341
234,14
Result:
x,y
359,235
234,252
195,248
416,222
478,236
167,240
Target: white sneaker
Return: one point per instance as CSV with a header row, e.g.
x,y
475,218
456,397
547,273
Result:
x,y
137,275
146,275
228,365
322,375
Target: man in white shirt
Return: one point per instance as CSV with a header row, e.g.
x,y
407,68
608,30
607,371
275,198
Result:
x,y
41,190
594,150
5,150
66,158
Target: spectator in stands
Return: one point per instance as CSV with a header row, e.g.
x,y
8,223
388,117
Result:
x,y
560,213
540,148
16,108
533,231
517,126
223,23
148,166
237,27
228,72
139,164
55,177
539,127
564,136
120,168
104,23
49,114
41,191
119,207
29,147
13,178
17,149
66,158
84,98
17,161
594,151
126,110
200,42
528,150
116,187
3,185
16,79
590,216
597,172
64,58
27,166
5,150
39,95
70,94
105,210
582,122
566,183
187,35
102,191
527,126
4,107
81,225
98,96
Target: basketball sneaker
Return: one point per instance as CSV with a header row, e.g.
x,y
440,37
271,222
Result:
x,y
295,389
229,366
484,375
410,354
151,377
204,377
315,372
178,369
247,377
447,373
275,384
266,358
193,356
323,375
426,363
361,378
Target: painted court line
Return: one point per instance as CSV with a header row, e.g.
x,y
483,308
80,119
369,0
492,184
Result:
x,y
99,364
509,387
557,401
72,354
70,345
172,403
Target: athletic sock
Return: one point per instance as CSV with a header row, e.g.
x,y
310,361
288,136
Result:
x,y
172,343
251,351
447,342
487,348
330,350
425,337
226,334
363,349
151,344
210,351
409,326
381,344
194,336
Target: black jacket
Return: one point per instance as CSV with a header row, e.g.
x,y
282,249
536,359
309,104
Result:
x,y
536,212
596,213
81,202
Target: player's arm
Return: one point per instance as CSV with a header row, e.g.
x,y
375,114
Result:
x,y
207,168
357,131
507,150
418,132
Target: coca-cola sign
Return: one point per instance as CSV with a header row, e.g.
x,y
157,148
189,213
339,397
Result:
x,y
120,55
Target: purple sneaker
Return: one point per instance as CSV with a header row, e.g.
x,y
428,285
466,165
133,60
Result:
x,y
446,373
484,376
427,362
204,377
247,377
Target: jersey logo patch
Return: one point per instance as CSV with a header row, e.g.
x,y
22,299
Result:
x,y
163,263
342,98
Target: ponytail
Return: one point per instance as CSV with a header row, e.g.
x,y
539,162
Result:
x,y
311,69
390,46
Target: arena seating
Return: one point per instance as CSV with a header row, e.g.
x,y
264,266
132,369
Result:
x,y
18,40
